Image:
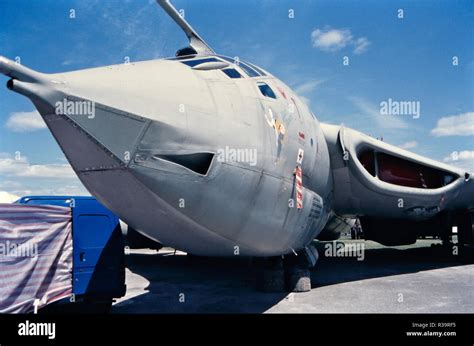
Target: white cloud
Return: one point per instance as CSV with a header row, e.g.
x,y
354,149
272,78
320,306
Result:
x,y
308,86
464,155
20,167
409,145
20,178
463,159
32,190
361,45
6,197
25,122
455,125
48,171
383,121
62,190
331,40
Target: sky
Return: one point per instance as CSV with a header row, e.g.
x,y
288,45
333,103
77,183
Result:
x,y
346,59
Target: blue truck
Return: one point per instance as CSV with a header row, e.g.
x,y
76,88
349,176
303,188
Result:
x,y
98,272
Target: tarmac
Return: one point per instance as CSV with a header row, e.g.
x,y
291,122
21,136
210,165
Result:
x,y
420,278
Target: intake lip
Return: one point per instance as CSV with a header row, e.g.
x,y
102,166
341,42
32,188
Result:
x,y
25,88
10,84
199,163
17,71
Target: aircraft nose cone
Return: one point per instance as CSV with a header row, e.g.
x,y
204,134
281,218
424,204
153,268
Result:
x,y
114,130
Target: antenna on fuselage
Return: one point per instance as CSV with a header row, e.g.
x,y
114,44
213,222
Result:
x,y
196,43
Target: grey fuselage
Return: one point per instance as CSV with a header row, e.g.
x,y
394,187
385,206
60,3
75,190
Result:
x,y
191,157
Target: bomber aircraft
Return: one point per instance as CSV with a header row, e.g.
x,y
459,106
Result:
x,y
215,156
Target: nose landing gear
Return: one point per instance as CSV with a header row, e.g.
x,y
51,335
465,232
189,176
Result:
x,y
287,273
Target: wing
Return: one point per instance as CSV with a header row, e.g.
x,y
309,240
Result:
x,y
373,178
398,195
195,41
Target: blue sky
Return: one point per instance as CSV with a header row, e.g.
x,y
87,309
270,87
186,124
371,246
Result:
x,y
403,59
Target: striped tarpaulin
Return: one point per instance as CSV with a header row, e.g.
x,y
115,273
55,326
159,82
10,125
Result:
x,y
35,256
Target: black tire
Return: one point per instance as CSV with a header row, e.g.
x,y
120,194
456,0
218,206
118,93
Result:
x,y
298,280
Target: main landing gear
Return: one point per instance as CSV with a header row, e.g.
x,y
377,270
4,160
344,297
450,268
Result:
x,y
287,273
463,222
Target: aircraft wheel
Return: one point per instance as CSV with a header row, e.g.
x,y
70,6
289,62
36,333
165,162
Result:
x,y
298,279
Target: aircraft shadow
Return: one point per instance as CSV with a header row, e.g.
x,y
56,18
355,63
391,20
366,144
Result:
x,y
381,262
182,284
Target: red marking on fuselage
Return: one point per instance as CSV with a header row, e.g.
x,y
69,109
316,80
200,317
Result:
x,y
282,92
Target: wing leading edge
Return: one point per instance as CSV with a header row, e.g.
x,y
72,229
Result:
x,y
373,178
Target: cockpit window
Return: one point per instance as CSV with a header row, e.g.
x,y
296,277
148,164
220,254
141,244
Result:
x,y
232,73
259,70
250,71
266,90
226,58
195,62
